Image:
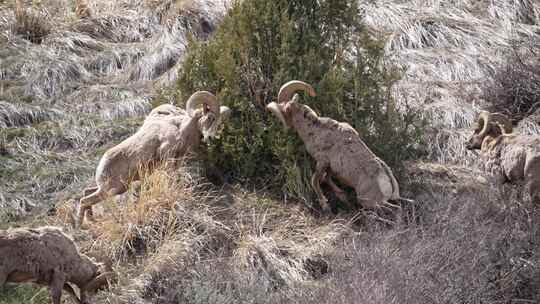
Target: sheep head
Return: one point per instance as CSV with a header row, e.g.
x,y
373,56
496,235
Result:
x,y
489,127
98,276
210,116
288,100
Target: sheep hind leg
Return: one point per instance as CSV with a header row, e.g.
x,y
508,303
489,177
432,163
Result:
x,y
87,202
96,197
340,194
316,179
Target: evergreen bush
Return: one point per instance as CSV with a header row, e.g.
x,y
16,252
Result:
x,y
262,44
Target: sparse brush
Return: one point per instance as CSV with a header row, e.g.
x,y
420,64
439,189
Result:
x,y
181,224
161,55
112,102
116,28
17,115
30,25
515,87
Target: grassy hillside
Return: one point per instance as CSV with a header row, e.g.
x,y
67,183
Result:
x,y
88,83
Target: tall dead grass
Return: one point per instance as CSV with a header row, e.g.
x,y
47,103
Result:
x,y
185,241
163,241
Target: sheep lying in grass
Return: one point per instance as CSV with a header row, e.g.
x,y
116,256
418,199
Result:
x,y
338,151
47,256
510,156
168,132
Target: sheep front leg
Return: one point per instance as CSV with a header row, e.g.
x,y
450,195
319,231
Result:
x,y
86,192
83,297
316,180
56,286
3,277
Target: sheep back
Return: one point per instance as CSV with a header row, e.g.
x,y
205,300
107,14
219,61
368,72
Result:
x,y
37,252
350,159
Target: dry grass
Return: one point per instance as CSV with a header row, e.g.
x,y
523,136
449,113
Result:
x,y
449,51
86,85
185,241
515,88
32,26
178,225
83,87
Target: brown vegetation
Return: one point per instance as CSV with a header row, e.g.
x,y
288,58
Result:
x,y
88,84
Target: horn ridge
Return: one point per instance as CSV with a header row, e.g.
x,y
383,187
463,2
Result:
x,y
288,89
485,119
203,97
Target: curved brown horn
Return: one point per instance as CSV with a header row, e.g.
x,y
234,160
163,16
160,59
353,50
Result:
x,y
99,281
203,97
287,90
502,122
485,119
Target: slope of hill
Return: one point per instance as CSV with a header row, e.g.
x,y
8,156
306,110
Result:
x,y
87,84
67,98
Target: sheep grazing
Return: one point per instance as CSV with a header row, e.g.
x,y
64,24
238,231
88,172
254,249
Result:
x,y
168,132
47,256
338,151
509,156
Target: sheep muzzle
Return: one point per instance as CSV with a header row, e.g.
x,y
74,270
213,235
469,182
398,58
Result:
x,y
276,110
100,280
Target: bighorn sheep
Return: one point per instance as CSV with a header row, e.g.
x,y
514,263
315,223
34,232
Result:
x,y
168,132
511,157
47,256
337,150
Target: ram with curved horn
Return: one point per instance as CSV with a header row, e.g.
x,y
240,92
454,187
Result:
x,y
509,156
168,132
338,151
47,256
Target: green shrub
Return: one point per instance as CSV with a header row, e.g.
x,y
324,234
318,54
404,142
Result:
x,y
262,44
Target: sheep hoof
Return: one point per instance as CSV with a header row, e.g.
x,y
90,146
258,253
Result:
x,y
325,207
341,196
